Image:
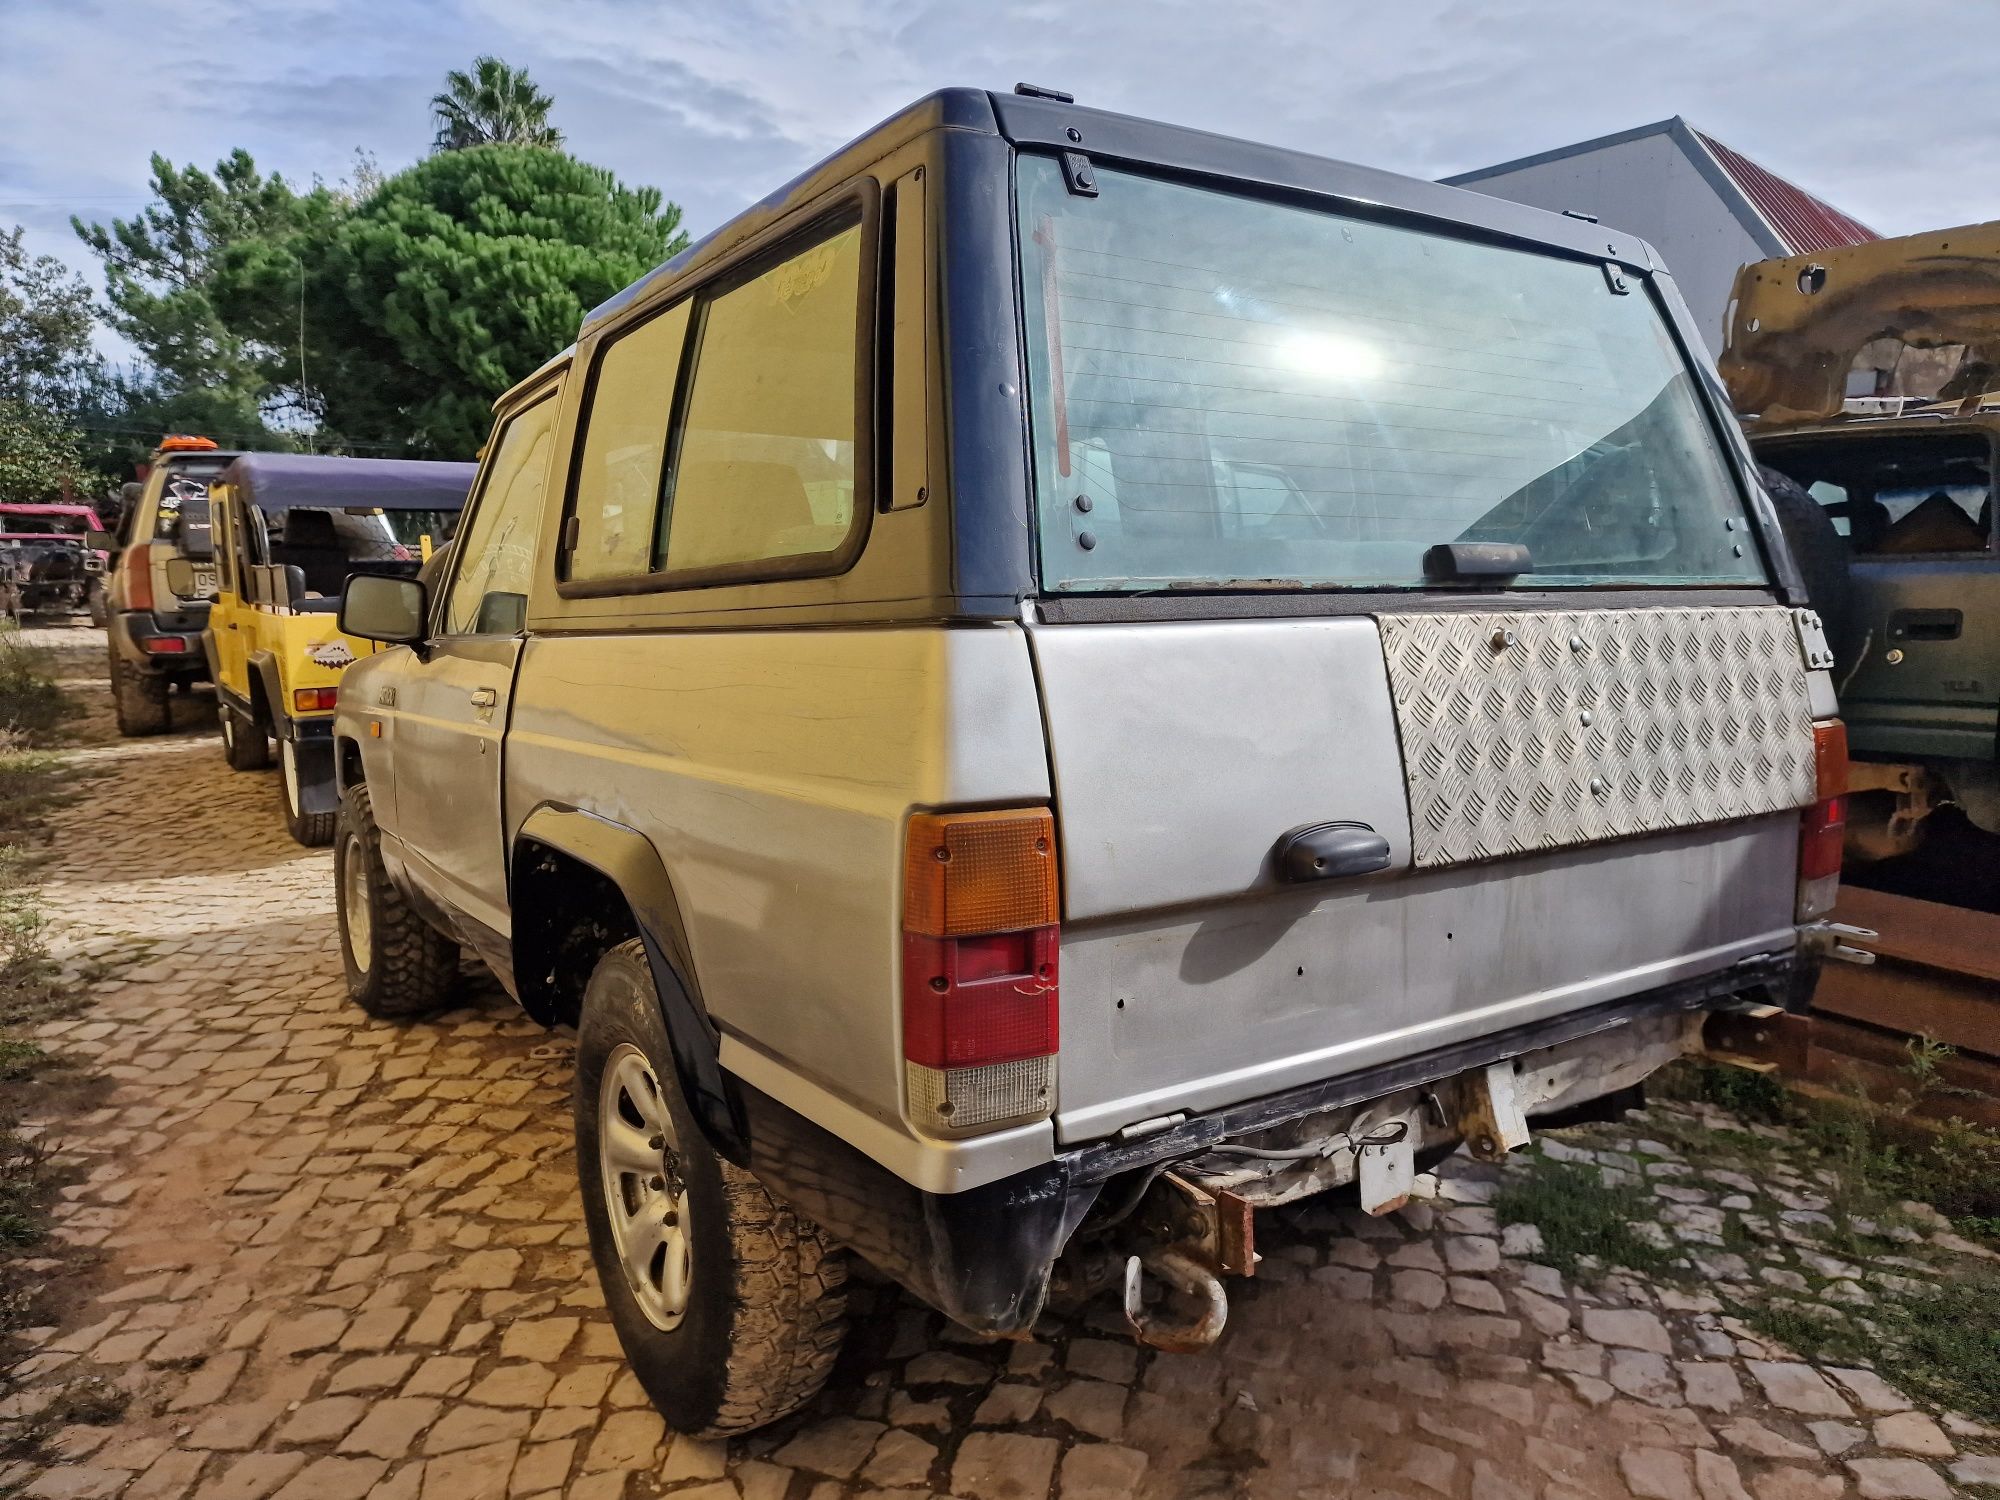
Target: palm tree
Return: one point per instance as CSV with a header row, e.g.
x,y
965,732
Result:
x,y
492,104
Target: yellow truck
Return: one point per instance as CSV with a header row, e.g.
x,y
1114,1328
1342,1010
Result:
x,y
289,530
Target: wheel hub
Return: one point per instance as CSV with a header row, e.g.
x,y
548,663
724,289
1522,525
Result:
x,y
354,906
645,1193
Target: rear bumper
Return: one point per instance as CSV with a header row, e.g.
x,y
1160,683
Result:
x,y
984,1256
130,630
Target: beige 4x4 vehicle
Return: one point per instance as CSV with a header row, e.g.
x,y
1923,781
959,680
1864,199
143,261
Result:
x,y
1063,680
154,634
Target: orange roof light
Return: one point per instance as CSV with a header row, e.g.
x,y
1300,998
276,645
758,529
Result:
x,y
980,872
182,442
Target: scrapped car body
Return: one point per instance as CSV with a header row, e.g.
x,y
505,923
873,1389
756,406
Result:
x,y
289,529
1065,679
52,558
1898,496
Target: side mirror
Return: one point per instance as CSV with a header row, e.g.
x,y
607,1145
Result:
x,y
379,608
181,580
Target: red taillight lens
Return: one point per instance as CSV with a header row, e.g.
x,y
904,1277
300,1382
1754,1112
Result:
x,y
975,1002
314,700
164,645
1823,826
981,945
1821,831
139,576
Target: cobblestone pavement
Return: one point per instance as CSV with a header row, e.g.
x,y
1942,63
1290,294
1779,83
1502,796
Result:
x,y
343,1258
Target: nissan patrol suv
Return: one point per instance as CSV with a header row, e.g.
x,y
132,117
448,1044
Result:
x,y
1063,680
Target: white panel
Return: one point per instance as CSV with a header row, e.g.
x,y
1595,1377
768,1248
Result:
x,y
1183,752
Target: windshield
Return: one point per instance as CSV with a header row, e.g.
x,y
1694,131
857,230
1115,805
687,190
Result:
x,y
357,535
1227,391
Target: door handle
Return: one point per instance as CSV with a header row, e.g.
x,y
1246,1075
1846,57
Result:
x,y
1327,851
484,697
1925,625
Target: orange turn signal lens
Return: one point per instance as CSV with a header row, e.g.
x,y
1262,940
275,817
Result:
x,y
980,872
314,700
1829,759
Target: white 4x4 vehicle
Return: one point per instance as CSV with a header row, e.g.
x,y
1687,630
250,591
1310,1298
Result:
x,y
1063,680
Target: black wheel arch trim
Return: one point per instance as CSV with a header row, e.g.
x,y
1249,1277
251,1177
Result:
x,y
628,860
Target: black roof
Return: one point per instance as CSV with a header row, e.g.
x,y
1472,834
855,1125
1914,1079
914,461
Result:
x,y
1055,125
281,481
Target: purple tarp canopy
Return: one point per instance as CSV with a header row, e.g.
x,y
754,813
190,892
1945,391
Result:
x,y
283,481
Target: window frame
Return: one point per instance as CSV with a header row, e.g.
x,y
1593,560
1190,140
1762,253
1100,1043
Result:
x,y
856,203
551,390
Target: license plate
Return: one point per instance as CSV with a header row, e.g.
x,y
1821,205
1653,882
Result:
x,y
204,583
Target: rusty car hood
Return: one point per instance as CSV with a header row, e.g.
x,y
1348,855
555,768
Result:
x,y
1795,324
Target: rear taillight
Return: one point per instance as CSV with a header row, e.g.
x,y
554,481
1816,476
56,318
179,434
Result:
x,y
139,576
980,961
1823,826
164,645
314,700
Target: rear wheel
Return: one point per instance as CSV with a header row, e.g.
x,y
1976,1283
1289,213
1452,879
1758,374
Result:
x,y
314,830
138,701
396,963
730,1306
244,744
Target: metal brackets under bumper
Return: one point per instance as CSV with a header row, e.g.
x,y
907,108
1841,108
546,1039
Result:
x,y
1824,939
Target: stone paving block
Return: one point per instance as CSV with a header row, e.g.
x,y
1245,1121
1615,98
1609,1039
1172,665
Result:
x,y
1090,1406
1657,1474
391,1428
1101,1471
693,1458
470,1473
252,1477
334,1479
626,1440
1897,1479
1912,1432
836,1446
901,1459
1004,1466
1797,1388
1626,1328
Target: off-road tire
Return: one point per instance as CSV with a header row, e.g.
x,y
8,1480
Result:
x,y
139,702
1821,553
411,964
314,830
244,744
767,1303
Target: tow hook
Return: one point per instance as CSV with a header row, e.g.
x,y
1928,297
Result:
x,y
1825,938
1177,1269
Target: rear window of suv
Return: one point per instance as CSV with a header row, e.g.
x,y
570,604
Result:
x,y
1228,391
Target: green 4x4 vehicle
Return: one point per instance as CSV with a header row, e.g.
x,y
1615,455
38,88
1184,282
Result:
x,y
1889,506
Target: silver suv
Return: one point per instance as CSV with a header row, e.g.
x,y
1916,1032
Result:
x,y
1064,680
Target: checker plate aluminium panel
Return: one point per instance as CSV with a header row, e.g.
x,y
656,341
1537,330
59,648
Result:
x,y
1540,730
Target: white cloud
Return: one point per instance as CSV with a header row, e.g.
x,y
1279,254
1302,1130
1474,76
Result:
x,y
1884,113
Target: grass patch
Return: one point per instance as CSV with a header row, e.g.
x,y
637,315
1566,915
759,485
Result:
x,y
31,705
1582,1219
32,990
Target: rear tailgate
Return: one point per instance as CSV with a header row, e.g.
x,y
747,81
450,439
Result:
x,y
1579,805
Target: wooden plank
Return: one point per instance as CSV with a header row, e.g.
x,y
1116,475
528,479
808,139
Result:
x,y
1943,1007
1952,938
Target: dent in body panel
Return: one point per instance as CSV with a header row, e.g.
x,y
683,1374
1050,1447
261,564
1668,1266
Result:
x,y
772,771
1234,1000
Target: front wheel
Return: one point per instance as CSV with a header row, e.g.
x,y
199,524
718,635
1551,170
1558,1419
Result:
x,y
244,745
730,1306
396,963
314,830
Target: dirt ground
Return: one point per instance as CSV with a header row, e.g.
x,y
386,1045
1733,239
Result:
x,y
329,1258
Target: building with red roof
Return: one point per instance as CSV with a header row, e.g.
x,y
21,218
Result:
x,y
1706,208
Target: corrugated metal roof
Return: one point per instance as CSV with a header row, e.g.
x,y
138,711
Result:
x,y
1803,222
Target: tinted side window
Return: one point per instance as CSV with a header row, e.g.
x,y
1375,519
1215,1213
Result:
x,y
764,464
625,449
489,595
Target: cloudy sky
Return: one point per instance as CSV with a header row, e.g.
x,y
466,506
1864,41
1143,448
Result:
x,y
1888,111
